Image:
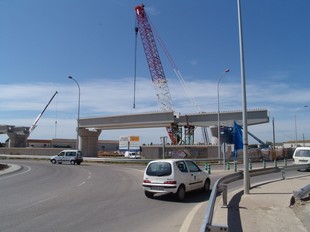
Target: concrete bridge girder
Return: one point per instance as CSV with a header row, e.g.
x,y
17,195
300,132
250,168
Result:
x,y
227,118
146,120
166,119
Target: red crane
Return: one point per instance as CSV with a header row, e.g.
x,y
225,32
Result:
x,y
156,68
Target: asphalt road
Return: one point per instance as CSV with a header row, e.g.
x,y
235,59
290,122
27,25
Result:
x,y
88,197
95,197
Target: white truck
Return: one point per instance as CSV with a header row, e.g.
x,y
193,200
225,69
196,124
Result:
x,y
132,155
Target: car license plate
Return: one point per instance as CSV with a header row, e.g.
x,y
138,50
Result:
x,y
158,188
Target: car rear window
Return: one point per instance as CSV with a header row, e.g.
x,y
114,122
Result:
x,y
303,153
159,169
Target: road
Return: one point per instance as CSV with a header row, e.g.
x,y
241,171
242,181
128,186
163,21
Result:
x,y
92,197
88,197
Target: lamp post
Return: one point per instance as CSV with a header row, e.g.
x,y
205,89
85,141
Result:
x,y
246,173
296,124
78,116
163,138
218,118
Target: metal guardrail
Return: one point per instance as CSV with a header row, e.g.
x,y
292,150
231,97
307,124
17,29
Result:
x,y
220,186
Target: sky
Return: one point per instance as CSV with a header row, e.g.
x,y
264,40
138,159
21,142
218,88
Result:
x,y
42,42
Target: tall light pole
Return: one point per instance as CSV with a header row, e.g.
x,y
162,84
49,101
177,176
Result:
x,y
218,118
163,138
78,116
296,124
246,173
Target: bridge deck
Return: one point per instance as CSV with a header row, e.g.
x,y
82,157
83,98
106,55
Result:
x,y
165,119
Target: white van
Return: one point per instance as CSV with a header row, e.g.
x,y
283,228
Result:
x,y
302,155
132,155
68,156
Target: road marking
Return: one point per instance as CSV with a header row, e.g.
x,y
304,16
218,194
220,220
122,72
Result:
x,y
17,174
81,183
187,222
84,182
37,202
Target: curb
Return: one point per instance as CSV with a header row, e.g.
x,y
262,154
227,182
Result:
x,y
12,168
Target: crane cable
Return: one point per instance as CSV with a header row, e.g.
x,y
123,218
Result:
x,y
181,79
135,67
175,68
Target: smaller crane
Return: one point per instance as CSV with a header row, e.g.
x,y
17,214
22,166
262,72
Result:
x,y
40,115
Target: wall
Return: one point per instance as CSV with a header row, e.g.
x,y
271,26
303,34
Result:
x,y
182,151
30,151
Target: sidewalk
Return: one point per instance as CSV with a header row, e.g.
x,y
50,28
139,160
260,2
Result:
x,y
266,208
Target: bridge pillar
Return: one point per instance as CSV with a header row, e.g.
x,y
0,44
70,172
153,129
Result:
x,y
17,140
89,142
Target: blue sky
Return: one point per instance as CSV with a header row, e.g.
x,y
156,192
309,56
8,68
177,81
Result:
x,y
42,42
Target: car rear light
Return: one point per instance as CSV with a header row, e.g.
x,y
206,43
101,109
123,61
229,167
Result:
x,y
170,182
146,181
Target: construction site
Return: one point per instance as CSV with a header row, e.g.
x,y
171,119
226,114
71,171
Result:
x,y
217,128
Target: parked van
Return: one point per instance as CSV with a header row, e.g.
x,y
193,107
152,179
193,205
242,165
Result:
x,y
68,156
132,155
302,155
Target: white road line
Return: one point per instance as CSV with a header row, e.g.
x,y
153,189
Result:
x,y
84,182
17,174
187,222
37,202
81,183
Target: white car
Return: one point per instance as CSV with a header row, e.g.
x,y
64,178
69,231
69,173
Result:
x,y
68,156
176,176
301,155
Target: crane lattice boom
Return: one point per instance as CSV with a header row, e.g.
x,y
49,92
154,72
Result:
x,y
153,60
156,68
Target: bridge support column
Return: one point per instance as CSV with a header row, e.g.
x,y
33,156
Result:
x,y
17,140
89,142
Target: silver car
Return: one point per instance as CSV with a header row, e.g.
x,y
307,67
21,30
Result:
x,y
68,156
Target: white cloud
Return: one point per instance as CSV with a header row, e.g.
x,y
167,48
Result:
x,y
23,103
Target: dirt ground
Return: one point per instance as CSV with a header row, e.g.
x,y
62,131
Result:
x,y
3,166
302,211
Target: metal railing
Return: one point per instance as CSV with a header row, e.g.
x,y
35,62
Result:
x,y
220,186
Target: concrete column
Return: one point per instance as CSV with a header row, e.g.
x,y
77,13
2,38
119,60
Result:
x,y
17,140
214,135
89,142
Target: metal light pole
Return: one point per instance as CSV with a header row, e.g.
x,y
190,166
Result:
x,y
78,116
218,118
163,138
246,172
296,124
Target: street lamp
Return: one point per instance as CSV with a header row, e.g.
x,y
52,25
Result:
x,y
163,138
296,124
218,117
78,116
